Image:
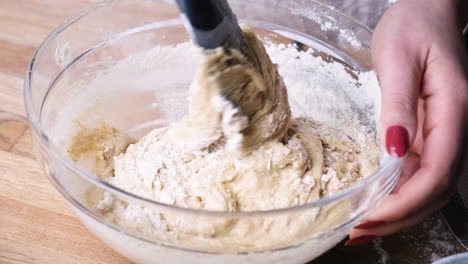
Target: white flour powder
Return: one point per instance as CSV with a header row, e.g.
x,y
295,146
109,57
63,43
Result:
x,y
317,90
339,98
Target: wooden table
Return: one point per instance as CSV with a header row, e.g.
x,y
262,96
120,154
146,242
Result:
x,y
36,226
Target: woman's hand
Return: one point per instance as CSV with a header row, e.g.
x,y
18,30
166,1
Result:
x,y
419,54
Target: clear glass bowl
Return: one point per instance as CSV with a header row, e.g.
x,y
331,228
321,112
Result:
x,y
97,39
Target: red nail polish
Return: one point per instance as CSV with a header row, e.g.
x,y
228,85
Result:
x,y
397,141
370,224
360,240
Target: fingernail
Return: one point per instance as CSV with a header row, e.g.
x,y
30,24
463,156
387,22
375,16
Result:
x,y
397,141
360,240
370,224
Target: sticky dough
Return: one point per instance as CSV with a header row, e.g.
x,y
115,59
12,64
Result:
x,y
237,150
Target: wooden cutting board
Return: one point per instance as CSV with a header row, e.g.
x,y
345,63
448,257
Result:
x,y
36,226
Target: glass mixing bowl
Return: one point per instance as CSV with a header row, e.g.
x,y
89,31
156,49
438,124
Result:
x,y
86,47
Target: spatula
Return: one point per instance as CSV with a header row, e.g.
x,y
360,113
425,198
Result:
x,y
212,24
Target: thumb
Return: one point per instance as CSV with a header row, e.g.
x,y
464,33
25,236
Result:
x,y
400,78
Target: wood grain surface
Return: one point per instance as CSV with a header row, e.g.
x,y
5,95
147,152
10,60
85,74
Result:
x,y
36,226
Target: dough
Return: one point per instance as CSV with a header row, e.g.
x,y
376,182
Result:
x,y
95,149
232,153
237,101
237,150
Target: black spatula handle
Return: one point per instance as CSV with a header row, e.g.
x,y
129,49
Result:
x,y
212,23
202,14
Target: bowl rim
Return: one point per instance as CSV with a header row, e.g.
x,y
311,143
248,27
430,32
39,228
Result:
x,y
457,257
33,119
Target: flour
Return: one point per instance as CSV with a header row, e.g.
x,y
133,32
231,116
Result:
x,y
312,81
432,240
327,23
329,145
439,236
384,256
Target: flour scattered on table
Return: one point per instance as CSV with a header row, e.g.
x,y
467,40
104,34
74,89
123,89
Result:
x,y
432,240
383,254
